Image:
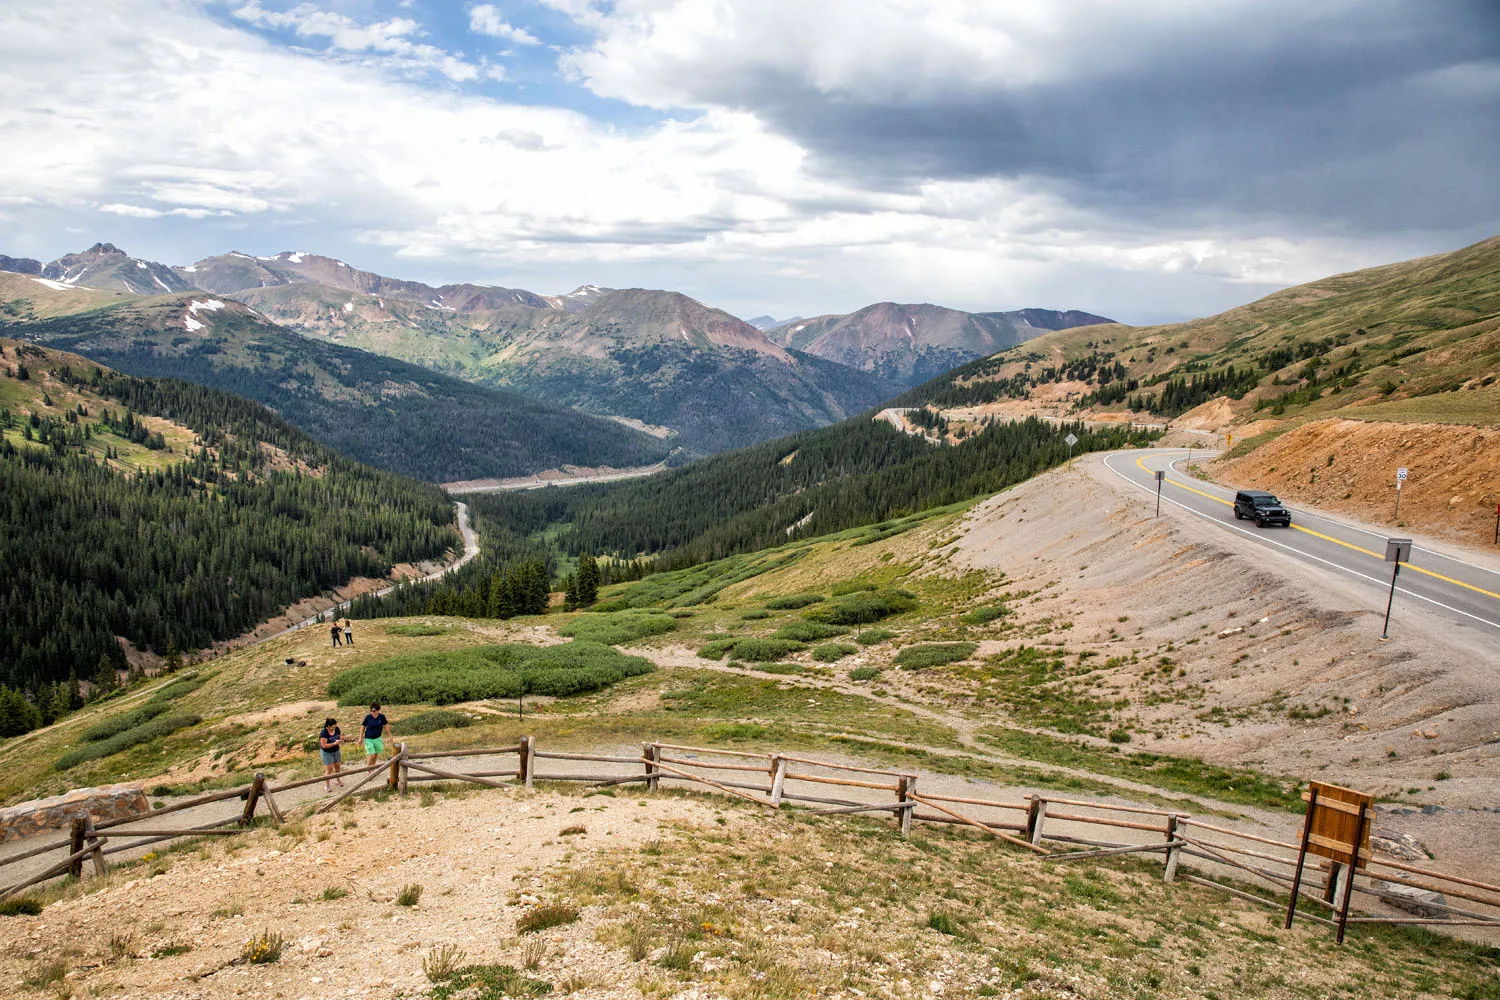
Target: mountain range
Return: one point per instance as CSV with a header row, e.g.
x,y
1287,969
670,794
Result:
x,y
912,343
656,360
375,409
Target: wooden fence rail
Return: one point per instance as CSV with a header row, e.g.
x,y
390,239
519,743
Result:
x,y
1177,837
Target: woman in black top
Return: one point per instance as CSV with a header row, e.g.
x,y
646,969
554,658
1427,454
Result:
x,y
330,744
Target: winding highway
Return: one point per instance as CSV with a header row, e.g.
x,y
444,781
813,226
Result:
x,y
1461,592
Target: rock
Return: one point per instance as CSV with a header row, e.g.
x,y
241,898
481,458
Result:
x,y
1422,902
1431,810
56,813
1398,845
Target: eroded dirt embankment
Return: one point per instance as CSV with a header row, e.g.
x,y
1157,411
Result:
x,y
1349,466
1235,653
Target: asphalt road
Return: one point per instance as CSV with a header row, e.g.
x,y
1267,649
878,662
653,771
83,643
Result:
x,y
1460,592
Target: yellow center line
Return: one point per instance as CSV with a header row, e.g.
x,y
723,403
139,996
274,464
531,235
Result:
x,y
1141,462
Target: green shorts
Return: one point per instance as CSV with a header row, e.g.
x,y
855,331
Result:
x,y
375,746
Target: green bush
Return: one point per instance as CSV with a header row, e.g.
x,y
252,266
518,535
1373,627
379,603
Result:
x,y
793,602
117,724
858,587
605,607
806,631
617,627
831,652
715,649
1121,736
478,672
415,630
164,725
431,722
755,615
783,668
983,616
863,607
186,684
489,982
765,650
864,673
934,654
873,636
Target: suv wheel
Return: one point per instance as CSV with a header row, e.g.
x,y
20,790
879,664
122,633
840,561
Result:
x,y
1259,523
1237,515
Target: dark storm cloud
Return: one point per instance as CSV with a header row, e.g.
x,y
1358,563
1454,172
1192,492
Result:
x,y
1386,116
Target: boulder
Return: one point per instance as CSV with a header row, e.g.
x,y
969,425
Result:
x,y
1422,902
56,813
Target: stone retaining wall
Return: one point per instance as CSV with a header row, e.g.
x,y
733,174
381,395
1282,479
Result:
x,y
55,813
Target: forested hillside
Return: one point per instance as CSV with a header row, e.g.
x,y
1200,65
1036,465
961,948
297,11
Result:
x,y
170,516
375,409
857,472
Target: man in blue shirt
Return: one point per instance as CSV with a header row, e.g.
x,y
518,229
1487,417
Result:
x,y
375,726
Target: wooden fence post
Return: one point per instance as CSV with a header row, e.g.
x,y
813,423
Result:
x,y
906,785
75,867
252,798
401,777
1036,814
100,868
528,760
778,778
1170,872
650,753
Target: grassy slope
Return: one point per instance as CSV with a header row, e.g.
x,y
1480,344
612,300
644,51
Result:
x,y
1441,312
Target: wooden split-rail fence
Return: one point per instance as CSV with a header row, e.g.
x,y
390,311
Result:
x,y
1051,829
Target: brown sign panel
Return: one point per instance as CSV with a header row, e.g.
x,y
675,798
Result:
x,y
1335,822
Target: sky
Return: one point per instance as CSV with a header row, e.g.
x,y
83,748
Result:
x,y
1148,160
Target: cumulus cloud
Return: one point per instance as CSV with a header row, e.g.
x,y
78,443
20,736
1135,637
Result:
x,y
342,34
806,158
485,19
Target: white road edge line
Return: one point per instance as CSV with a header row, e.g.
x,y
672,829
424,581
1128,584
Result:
x,y
1298,552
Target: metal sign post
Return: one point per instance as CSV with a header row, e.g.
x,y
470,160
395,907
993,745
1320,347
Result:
x,y
1072,439
1161,474
1400,478
1397,551
1497,524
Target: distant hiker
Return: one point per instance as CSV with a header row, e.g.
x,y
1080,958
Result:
x,y
330,745
375,726
335,633
348,632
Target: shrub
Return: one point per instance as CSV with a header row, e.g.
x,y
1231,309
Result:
x,y
263,949
863,607
793,602
334,892
806,631
431,722
783,668
716,649
985,615
20,906
765,650
186,684
946,923
831,652
857,587
489,982
874,636
614,628
415,630
117,724
934,654
479,672
542,917
442,962
755,614
1121,736
409,894
864,673
164,725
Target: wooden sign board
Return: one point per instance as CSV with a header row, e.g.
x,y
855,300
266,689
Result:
x,y
1334,822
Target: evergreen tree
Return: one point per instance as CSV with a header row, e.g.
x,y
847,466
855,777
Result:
x,y
17,715
588,580
173,661
74,692
105,678
570,592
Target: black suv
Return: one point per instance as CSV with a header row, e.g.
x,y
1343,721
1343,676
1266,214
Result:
x,y
1261,507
